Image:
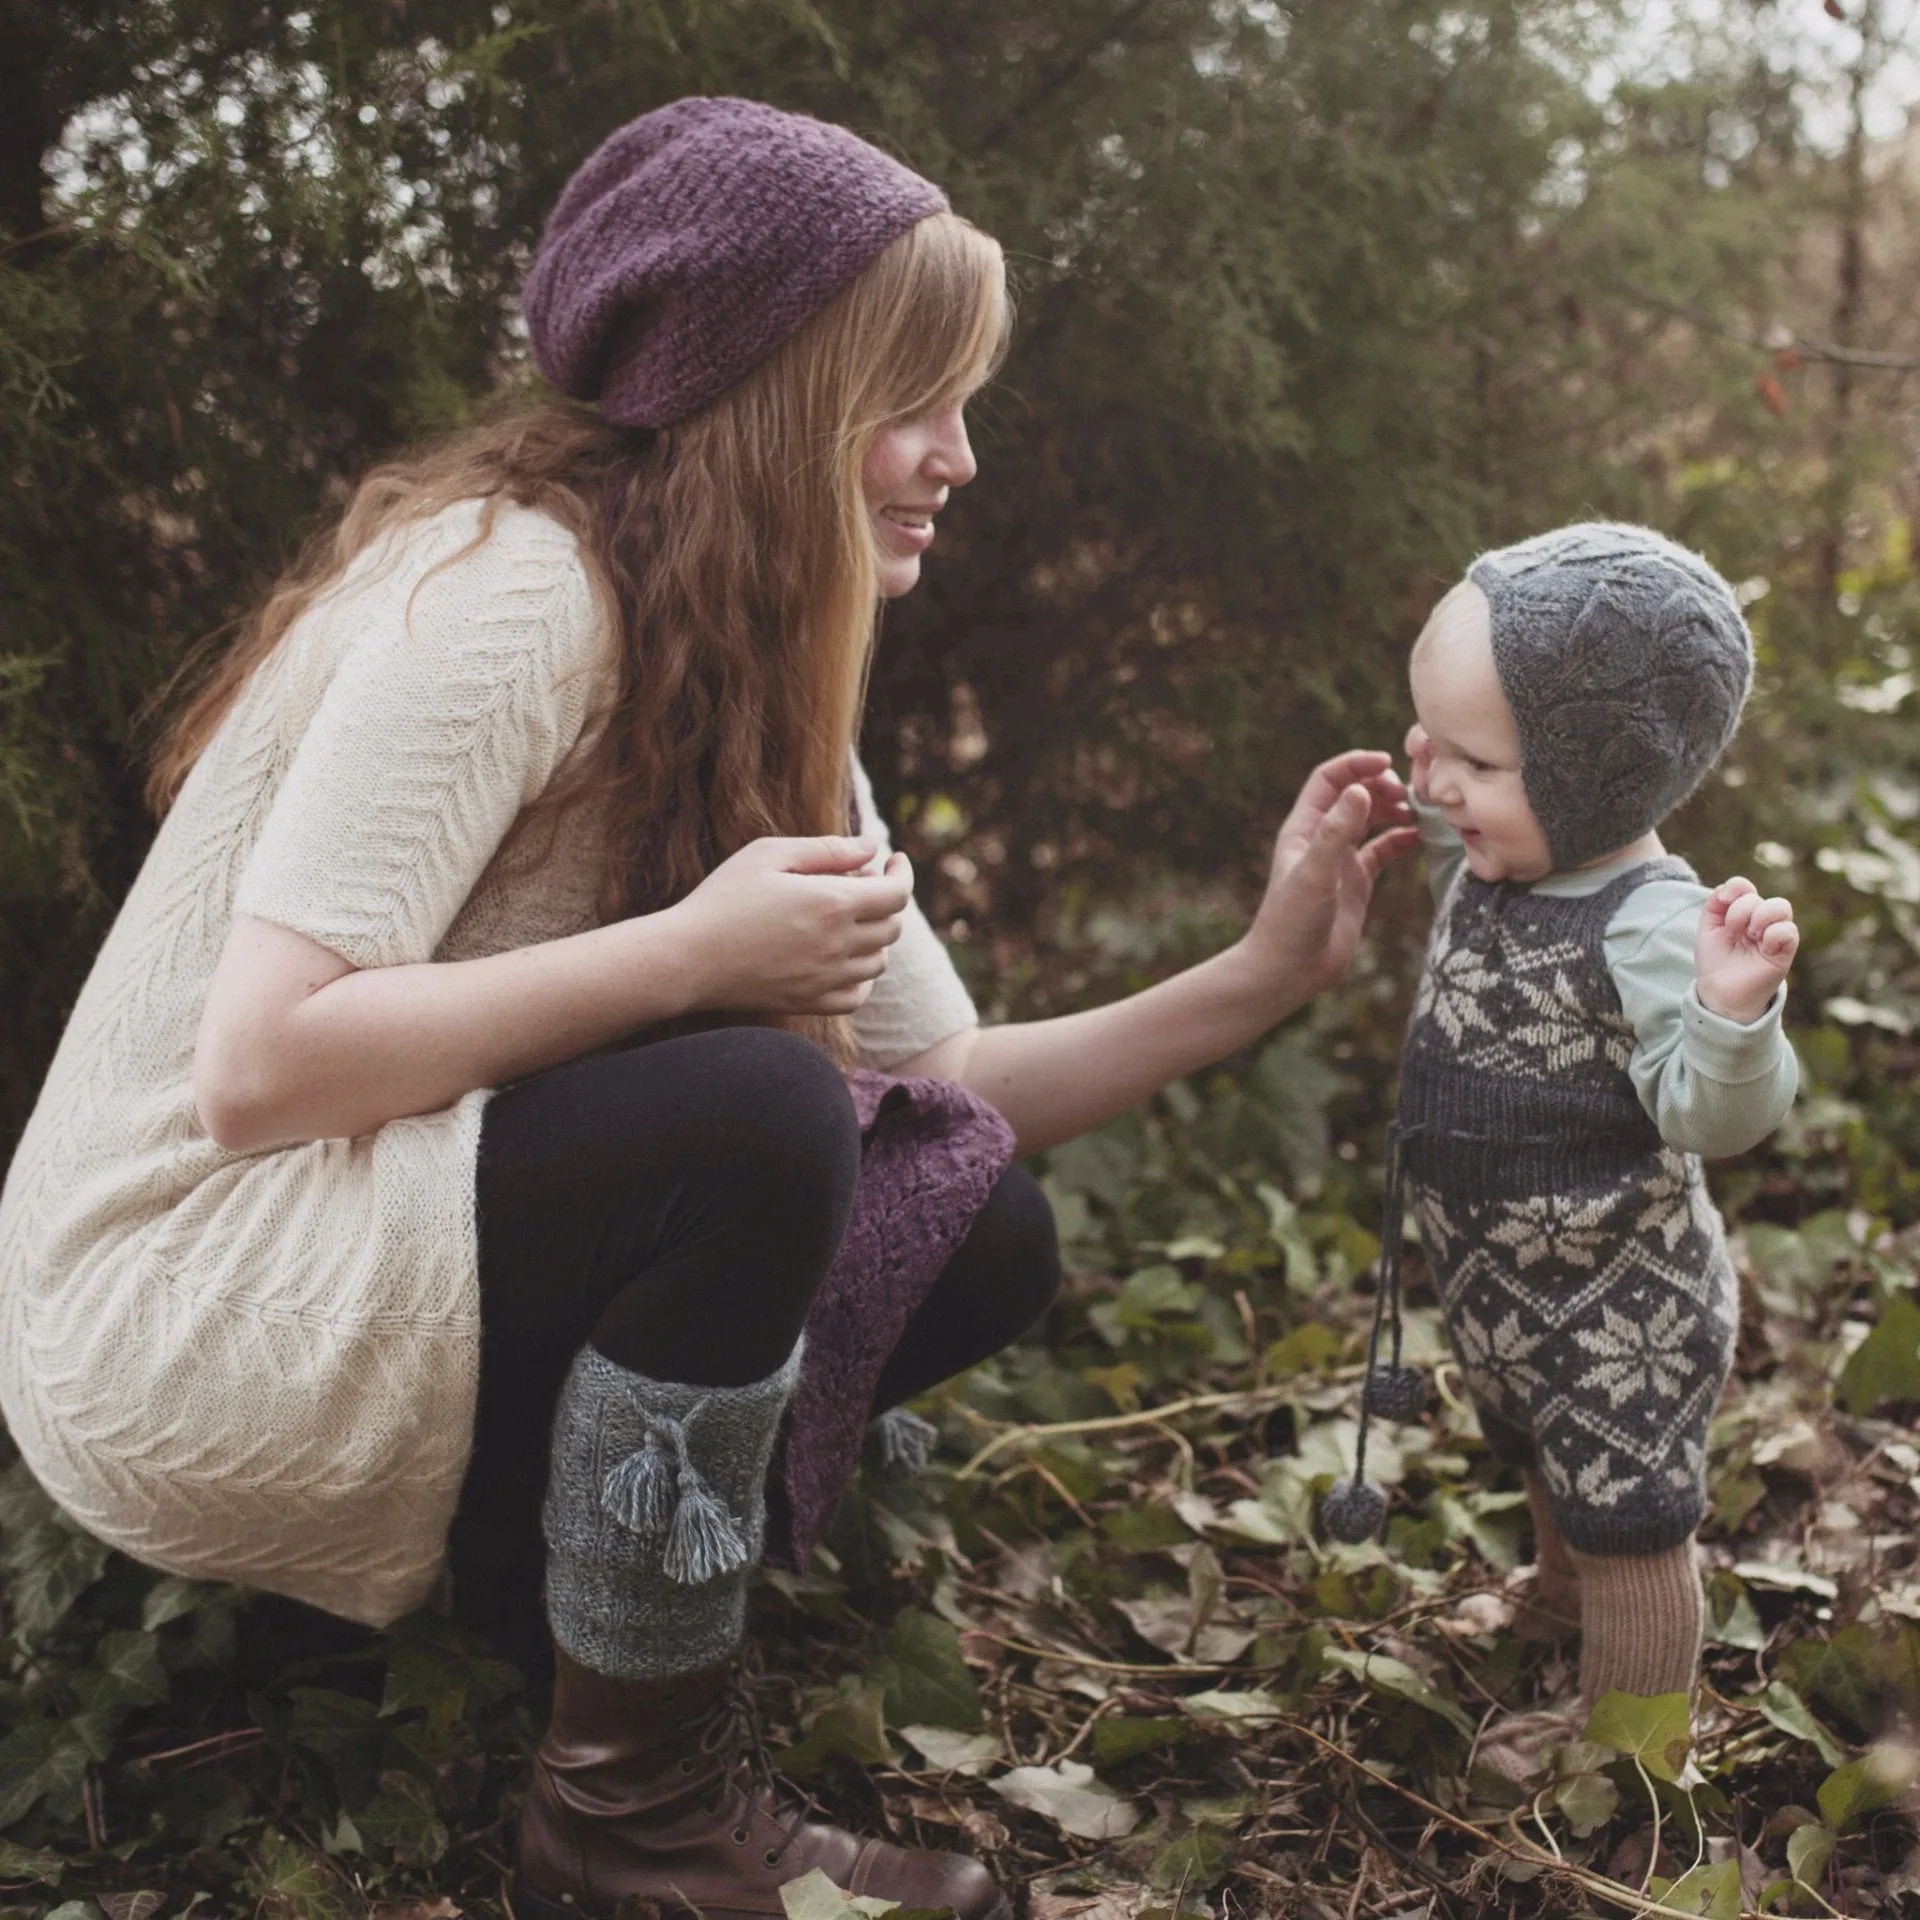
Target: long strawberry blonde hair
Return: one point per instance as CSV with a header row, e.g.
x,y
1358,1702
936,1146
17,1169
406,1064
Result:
x,y
731,553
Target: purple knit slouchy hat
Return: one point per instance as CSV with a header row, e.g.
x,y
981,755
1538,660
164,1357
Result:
x,y
698,238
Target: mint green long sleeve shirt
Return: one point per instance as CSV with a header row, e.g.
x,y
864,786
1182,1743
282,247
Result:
x,y
1711,1085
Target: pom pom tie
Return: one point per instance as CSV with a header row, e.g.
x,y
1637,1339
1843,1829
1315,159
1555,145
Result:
x,y
1353,1511
906,1442
651,1493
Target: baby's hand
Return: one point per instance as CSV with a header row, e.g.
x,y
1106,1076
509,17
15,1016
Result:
x,y
1420,759
1743,950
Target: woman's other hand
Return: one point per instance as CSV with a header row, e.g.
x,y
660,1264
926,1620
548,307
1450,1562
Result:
x,y
794,926
1350,821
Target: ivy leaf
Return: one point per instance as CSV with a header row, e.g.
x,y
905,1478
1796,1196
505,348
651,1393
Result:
x,y
44,1759
1385,1674
853,1727
1784,1708
1885,1366
815,1897
924,1677
401,1818
31,1863
1864,1786
292,1883
1839,1671
1197,1860
1709,1889
1809,1848
1124,1738
1582,1792
49,1566
1651,1728
129,1669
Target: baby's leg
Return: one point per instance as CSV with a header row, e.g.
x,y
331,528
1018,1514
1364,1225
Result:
x,y
1642,1618
1552,1610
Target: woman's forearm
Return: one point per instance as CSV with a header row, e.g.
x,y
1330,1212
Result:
x,y
1053,1079
299,1046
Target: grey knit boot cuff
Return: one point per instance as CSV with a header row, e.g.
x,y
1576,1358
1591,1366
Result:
x,y
655,1514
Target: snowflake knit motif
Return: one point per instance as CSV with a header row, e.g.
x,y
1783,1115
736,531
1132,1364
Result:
x,y
1580,1260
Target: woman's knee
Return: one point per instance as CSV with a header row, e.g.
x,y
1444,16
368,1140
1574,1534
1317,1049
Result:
x,y
783,1131
1015,1249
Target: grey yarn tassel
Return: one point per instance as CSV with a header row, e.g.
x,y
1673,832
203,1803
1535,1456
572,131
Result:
x,y
704,1540
649,1495
906,1442
639,1490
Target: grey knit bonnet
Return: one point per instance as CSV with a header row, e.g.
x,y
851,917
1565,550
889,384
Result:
x,y
1626,662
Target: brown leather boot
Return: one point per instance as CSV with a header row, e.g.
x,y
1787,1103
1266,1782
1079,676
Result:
x,y
661,1792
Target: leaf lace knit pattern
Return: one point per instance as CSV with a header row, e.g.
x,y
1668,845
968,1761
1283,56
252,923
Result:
x,y
261,1367
1580,1260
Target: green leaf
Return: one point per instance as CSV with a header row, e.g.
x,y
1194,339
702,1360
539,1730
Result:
x,y
401,1818
1654,1729
1839,1672
49,1566
1588,1801
1712,1890
853,1728
1885,1367
292,1883
130,1671
42,1759
1809,1848
1197,1860
1864,1786
172,1598
1123,1738
31,1863
1385,1674
1732,1619
1784,1708
925,1677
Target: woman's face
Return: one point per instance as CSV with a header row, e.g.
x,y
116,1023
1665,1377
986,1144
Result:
x,y
909,471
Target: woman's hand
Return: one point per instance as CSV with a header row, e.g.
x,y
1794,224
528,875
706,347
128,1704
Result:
x,y
1324,867
793,926
1743,950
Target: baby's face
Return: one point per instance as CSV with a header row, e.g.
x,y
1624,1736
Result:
x,y
1472,750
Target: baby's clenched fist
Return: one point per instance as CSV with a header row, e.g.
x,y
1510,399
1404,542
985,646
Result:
x,y
1742,952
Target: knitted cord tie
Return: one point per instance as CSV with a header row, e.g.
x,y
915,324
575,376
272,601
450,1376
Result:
x,y
1353,1509
652,1493
906,1442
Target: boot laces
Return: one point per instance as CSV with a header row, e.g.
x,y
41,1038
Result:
x,y
730,1733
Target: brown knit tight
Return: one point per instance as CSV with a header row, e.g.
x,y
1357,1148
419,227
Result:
x,y
1641,1621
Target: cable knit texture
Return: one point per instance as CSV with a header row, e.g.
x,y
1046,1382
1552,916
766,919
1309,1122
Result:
x,y
930,1155
652,1589
1626,663
260,1367
695,240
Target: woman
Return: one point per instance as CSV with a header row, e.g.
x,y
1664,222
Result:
x,y
535,776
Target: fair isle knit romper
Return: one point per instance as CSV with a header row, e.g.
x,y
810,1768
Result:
x,y
1580,1260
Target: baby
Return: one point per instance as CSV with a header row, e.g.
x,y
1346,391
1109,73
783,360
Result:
x,y
1591,1020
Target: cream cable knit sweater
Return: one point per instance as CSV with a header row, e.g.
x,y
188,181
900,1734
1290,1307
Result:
x,y
261,1367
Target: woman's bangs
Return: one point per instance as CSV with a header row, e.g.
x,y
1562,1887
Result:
x,y
948,316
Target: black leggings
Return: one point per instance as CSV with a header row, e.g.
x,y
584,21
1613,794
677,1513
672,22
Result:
x,y
679,1205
